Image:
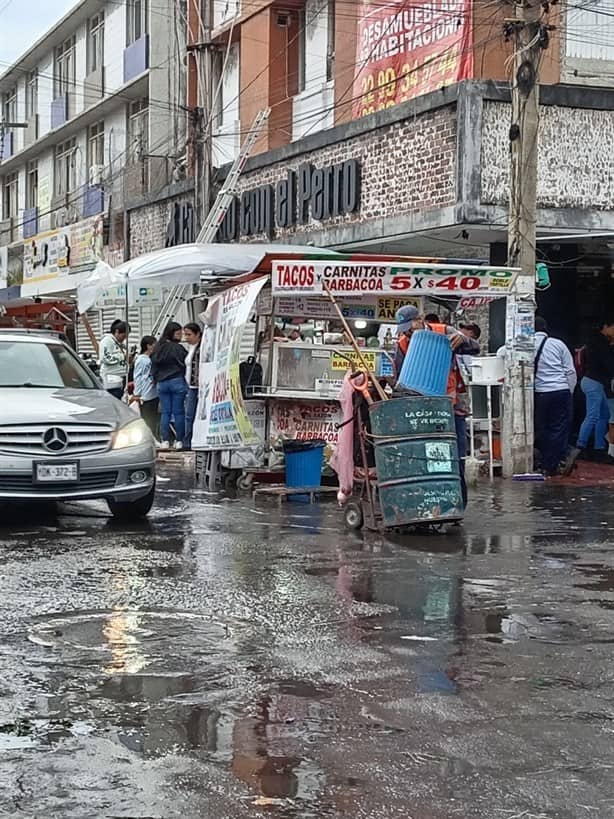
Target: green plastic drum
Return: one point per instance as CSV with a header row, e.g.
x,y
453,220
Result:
x,y
416,456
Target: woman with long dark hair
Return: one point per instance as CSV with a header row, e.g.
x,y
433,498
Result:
x,y
192,335
168,369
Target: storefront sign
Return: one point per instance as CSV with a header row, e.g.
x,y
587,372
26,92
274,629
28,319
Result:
x,y
256,411
322,308
305,421
138,296
372,278
44,195
387,307
72,249
341,363
181,225
471,302
304,195
404,51
222,420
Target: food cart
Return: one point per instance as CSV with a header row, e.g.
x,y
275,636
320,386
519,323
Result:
x,y
296,398
249,286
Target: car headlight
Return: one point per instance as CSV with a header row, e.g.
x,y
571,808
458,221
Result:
x,y
133,434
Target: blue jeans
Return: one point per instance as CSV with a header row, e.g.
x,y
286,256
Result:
x,y
191,405
172,400
595,424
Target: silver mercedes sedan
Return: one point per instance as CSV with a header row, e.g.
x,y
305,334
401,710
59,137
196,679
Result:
x,y
62,437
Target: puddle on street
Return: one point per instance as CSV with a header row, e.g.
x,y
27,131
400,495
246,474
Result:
x,y
161,683
131,640
598,577
30,733
433,617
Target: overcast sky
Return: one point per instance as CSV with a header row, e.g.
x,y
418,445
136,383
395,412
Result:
x,y
22,22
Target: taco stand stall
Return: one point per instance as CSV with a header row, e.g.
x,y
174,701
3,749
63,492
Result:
x,y
242,422
251,285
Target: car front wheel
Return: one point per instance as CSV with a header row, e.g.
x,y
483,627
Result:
x,y
132,510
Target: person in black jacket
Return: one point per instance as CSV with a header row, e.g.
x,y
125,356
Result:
x,y
597,388
168,370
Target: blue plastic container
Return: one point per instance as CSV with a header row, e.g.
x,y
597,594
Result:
x,y
427,364
303,466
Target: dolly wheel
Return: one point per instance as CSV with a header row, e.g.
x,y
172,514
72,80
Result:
x,y
352,515
245,482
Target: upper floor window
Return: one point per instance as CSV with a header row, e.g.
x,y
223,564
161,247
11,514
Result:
x,y
65,67
330,41
316,43
95,43
222,11
95,151
137,19
138,129
32,184
9,196
32,94
65,167
10,106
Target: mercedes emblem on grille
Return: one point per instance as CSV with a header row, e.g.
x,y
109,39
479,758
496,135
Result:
x,y
55,439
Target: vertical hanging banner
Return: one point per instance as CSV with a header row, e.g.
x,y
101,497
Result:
x,y
405,50
222,420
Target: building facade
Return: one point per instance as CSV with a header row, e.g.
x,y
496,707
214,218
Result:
x,y
419,99
93,117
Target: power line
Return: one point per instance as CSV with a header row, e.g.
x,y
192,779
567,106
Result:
x,y
122,95
74,197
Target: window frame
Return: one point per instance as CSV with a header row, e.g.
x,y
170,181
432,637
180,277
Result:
x,y
9,108
64,76
138,111
330,41
137,22
95,146
10,195
32,184
65,167
95,42
32,94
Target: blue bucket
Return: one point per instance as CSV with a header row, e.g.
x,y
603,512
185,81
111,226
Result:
x,y
427,364
303,466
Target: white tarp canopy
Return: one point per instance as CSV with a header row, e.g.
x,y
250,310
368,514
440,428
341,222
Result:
x,y
183,264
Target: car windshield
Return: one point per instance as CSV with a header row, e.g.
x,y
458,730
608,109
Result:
x,y
50,365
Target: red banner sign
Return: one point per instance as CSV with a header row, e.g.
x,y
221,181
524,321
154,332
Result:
x,y
406,49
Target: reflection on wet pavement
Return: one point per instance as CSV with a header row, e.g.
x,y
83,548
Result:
x,y
227,661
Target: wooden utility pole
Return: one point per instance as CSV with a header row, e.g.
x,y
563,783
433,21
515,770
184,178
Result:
x,y
530,37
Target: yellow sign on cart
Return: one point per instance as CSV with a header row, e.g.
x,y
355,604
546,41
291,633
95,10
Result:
x,y
387,307
341,363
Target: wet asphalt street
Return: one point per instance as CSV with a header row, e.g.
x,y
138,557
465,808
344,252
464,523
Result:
x,y
227,660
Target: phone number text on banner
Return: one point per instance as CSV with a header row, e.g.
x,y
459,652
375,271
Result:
x,y
405,50
371,278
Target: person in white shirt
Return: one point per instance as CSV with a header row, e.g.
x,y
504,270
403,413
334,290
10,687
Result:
x,y
113,359
555,382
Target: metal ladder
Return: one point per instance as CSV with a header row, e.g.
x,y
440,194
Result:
x,y
214,219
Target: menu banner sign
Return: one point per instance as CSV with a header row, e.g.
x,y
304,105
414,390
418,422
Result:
x,y
71,249
222,419
375,279
405,50
305,421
